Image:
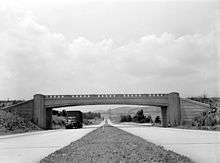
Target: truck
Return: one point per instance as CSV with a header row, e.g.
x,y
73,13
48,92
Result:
x,y
74,119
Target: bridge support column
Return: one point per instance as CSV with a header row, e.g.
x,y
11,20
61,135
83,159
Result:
x,y
164,116
173,109
48,119
40,113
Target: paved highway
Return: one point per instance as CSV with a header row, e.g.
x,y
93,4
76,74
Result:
x,y
32,147
200,146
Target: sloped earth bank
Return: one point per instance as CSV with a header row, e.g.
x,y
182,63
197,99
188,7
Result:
x,y
11,124
110,144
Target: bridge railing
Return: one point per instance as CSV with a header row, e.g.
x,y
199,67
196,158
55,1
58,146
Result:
x,y
104,96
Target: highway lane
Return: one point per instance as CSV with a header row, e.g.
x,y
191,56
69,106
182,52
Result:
x,y
32,147
200,146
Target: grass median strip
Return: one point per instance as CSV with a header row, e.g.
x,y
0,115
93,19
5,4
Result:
x,y
110,144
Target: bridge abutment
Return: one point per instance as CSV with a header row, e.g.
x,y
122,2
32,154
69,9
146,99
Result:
x,y
48,118
173,109
164,116
40,112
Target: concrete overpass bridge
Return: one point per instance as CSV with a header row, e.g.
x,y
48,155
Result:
x,y
174,110
39,109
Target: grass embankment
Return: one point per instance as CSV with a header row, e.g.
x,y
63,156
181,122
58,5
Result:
x,y
110,144
11,123
209,120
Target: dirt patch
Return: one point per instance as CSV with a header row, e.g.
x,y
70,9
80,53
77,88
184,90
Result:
x,y
110,144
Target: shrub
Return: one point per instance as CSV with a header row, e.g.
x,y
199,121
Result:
x,y
148,119
12,122
205,119
125,118
157,120
139,117
210,120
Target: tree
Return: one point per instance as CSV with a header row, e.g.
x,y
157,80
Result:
x,y
55,112
139,117
64,113
157,120
149,119
126,118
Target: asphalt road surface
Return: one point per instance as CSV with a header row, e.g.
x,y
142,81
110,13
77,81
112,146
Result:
x,y
200,146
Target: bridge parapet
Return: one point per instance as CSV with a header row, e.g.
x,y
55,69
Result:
x,y
104,96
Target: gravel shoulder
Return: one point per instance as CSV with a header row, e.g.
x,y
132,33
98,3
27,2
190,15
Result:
x,y
110,144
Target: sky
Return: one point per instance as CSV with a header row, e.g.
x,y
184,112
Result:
x,y
93,46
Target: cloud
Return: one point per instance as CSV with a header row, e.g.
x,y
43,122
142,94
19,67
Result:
x,y
34,59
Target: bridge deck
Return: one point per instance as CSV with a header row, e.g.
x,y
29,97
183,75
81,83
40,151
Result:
x,y
53,101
